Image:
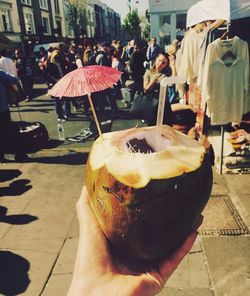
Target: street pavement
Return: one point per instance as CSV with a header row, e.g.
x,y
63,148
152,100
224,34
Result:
x,y
39,228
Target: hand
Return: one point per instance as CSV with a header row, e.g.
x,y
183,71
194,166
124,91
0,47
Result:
x,y
15,87
98,272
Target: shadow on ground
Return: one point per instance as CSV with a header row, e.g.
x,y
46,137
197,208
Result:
x,y
69,159
15,188
19,219
9,174
43,110
30,104
37,92
13,273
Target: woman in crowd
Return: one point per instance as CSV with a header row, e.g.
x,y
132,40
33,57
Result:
x,y
24,73
152,80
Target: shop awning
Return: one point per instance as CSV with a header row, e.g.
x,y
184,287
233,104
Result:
x,y
6,43
214,9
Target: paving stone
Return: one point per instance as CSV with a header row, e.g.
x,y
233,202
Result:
x,y
241,203
239,184
228,260
52,245
4,229
74,228
217,216
244,209
219,184
66,260
13,210
191,273
33,268
58,285
54,218
186,292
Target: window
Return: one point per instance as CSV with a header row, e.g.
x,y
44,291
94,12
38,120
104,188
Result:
x,y
165,19
181,21
46,25
29,23
43,4
57,10
5,20
59,28
26,2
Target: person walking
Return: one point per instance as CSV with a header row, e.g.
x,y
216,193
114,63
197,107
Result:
x,y
24,73
103,58
137,60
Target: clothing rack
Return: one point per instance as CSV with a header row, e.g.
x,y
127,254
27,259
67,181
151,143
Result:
x,y
217,24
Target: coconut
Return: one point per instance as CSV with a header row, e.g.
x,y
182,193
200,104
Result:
x,y
147,192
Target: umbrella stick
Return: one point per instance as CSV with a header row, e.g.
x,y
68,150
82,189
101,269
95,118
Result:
x,y
94,113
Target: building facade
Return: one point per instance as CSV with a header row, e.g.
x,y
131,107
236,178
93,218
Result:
x,y
107,22
31,22
168,19
9,22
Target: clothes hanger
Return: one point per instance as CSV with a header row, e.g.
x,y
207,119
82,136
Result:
x,y
224,35
216,24
199,27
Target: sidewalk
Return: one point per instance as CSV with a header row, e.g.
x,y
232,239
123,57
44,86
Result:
x,y
39,229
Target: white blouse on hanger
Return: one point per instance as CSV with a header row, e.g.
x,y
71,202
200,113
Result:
x,y
225,81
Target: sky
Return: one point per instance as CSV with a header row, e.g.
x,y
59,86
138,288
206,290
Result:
x,y
121,6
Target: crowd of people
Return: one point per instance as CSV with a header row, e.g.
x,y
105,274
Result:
x,y
133,60
143,66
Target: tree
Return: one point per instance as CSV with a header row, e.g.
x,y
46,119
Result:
x,y
76,17
131,23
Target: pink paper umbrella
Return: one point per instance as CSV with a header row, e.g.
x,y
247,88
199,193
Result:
x,y
84,81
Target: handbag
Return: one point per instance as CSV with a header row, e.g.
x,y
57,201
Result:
x,y
12,92
144,105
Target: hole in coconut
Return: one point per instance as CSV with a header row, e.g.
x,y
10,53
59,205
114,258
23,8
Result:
x,y
139,146
145,142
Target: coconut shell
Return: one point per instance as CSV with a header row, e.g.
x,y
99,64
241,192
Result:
x,y
149,222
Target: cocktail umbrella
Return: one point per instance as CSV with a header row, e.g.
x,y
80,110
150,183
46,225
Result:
x,y
84,81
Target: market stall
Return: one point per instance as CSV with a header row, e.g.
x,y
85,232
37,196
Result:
x,y
215,63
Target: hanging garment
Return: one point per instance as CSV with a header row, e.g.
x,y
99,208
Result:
x,y
225,80
210,35
190,53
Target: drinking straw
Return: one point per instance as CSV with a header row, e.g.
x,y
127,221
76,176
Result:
x,y
161,105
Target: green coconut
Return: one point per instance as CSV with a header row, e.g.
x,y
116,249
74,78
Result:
x,y
147,192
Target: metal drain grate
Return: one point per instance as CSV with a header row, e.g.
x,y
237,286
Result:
x,y
221,218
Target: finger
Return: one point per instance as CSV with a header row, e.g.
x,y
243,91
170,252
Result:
x,y
168,265
85,214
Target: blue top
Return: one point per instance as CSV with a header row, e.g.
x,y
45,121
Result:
x,y
5,79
